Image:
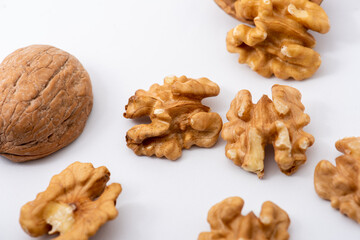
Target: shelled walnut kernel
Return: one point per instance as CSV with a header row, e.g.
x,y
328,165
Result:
x,y
76,204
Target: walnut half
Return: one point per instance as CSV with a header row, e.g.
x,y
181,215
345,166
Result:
x,y
76,204
341,183
279,43
178,118
278,122
227,222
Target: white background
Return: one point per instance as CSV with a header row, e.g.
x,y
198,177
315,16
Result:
x,y
129,45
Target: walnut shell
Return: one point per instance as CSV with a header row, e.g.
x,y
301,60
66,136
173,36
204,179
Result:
x,y
46,98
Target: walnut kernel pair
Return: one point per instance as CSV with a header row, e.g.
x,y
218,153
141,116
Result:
x,y
227,222
178,118
278,122
76,204
341,183
279,43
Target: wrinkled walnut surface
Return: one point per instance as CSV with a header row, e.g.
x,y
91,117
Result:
x,y
279,43
340,184
76,204
227,222
178,118
229,7
45,100
278,122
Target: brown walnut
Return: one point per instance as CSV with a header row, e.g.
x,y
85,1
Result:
x,y
227,222
278,122
279,43
178,118
229,7
76,204
341,183
45,100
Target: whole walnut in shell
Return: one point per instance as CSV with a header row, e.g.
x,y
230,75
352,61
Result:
x,y
45,100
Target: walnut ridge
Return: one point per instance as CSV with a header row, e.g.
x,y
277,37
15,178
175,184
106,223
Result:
x,y
340,184
46,98
279,43
278,122
178,118
227,222
76,204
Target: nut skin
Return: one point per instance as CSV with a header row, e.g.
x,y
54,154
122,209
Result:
x,y
278,122
46,98
178,118
82,187
340,183
227,222
279,44
229,7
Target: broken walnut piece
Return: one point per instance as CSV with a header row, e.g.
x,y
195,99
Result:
x,y
227,222
76,204
278,122
279,43
178,118
341,183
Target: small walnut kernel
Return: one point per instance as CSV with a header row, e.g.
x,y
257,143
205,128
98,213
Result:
x,y
279,122
178,118
279,43
76,204
227,222
340,183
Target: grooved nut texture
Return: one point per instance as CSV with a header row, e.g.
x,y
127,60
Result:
x,y
178,118
229,7
81,190
227,222
45,100
278,122
341,183
279,43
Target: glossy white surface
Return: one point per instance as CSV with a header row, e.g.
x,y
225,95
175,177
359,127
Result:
x,y
128,45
